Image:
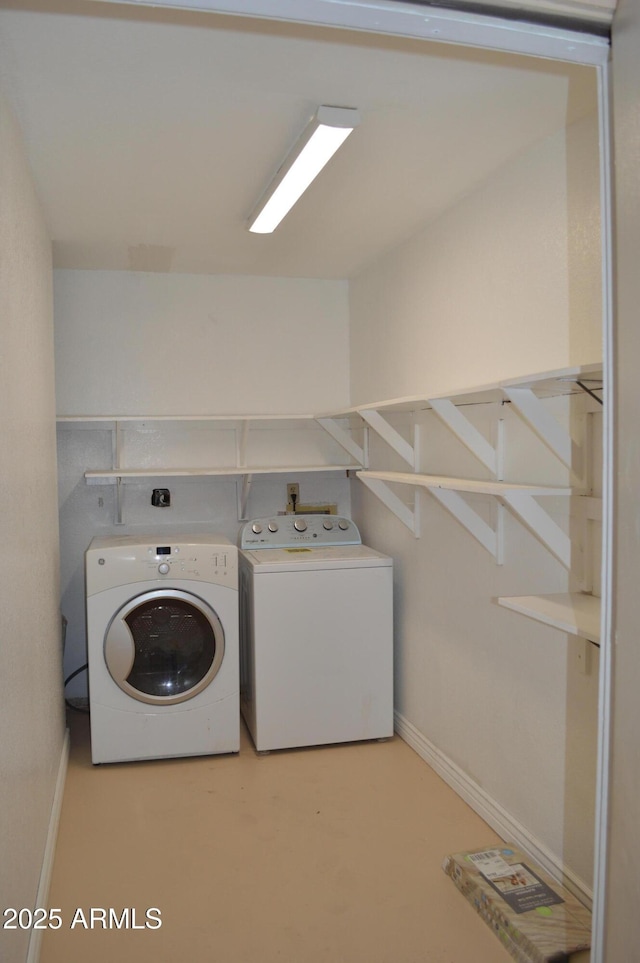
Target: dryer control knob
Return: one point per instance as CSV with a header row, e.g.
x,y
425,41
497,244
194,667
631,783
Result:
x,y
328,525
273,526
300,525
256,528
164,568
343,525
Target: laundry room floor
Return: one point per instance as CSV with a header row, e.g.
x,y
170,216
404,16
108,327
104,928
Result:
x,y
326,855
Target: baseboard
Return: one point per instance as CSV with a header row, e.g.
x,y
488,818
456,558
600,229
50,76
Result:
x,y
42,898
491,811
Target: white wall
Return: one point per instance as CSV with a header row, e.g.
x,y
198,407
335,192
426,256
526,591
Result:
x,y
623,886
31,705
506,283
190,344
136,343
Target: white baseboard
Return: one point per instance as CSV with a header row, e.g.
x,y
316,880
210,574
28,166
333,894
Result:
x,y
502,822
42,898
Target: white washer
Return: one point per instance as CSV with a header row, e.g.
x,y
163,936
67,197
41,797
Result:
x,y
162,639
316,633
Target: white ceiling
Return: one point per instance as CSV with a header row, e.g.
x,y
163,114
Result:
x,y
151,133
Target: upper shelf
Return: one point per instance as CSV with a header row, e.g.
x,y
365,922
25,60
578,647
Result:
x,y
110,420
113,474
546,384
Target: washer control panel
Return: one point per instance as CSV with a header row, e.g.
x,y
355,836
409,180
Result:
x,y
287,531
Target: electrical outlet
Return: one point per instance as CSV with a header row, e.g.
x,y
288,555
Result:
x,y
293,496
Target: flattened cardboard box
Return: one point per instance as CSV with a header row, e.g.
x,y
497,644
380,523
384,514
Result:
x,y
536,919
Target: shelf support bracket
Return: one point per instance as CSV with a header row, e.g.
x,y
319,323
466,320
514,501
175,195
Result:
x,y
467,433
117,458
540,523
392,437
344,439
119,501
550,431
409,517
241,444
469,518
243,489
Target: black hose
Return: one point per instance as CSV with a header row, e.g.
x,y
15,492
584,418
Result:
x,y
67,681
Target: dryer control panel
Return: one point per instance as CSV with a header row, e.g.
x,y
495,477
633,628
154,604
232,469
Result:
x,y
287,531
127,559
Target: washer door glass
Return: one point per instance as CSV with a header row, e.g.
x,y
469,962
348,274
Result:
x,y
164,646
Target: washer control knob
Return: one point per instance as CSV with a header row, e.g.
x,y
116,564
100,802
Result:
x,y
343,524
327,524
273,526
164,568
256,528
300,525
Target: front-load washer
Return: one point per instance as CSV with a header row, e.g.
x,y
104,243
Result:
x,y
162,639
316,633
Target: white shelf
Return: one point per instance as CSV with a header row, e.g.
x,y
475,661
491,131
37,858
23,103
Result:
x,y
109,420
526,396
519,498
470,485
546,384
113,474
524,393
575,613
124,427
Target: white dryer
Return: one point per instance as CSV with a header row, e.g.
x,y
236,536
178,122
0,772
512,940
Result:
x,y
316,633
162,639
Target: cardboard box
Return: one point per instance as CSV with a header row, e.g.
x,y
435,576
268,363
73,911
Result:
x,y
535,918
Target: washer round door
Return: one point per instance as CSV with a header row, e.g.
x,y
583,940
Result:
x,y
164,646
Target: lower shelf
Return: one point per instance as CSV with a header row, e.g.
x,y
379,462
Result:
x,y
519,498
576,613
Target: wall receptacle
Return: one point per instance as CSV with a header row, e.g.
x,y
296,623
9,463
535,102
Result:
x,y
161,498
293,496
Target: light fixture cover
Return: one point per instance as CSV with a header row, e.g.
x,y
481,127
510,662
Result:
x,y
319,141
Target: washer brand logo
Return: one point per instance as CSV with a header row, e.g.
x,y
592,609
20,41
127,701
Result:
x,y
97,917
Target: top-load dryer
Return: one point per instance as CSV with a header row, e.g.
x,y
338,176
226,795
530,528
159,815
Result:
x,y
316,633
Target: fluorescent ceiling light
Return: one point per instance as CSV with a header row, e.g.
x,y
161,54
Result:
x,y
319,141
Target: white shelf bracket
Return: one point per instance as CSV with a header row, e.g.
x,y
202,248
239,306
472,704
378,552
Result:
x,y
409,517
469,518
540,523
500,509
344,439
550,431
392,437
119,501
117,458
467,433
500,449
243,489
241,444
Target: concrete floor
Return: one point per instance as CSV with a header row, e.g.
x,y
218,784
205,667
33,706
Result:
x,y
330,854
